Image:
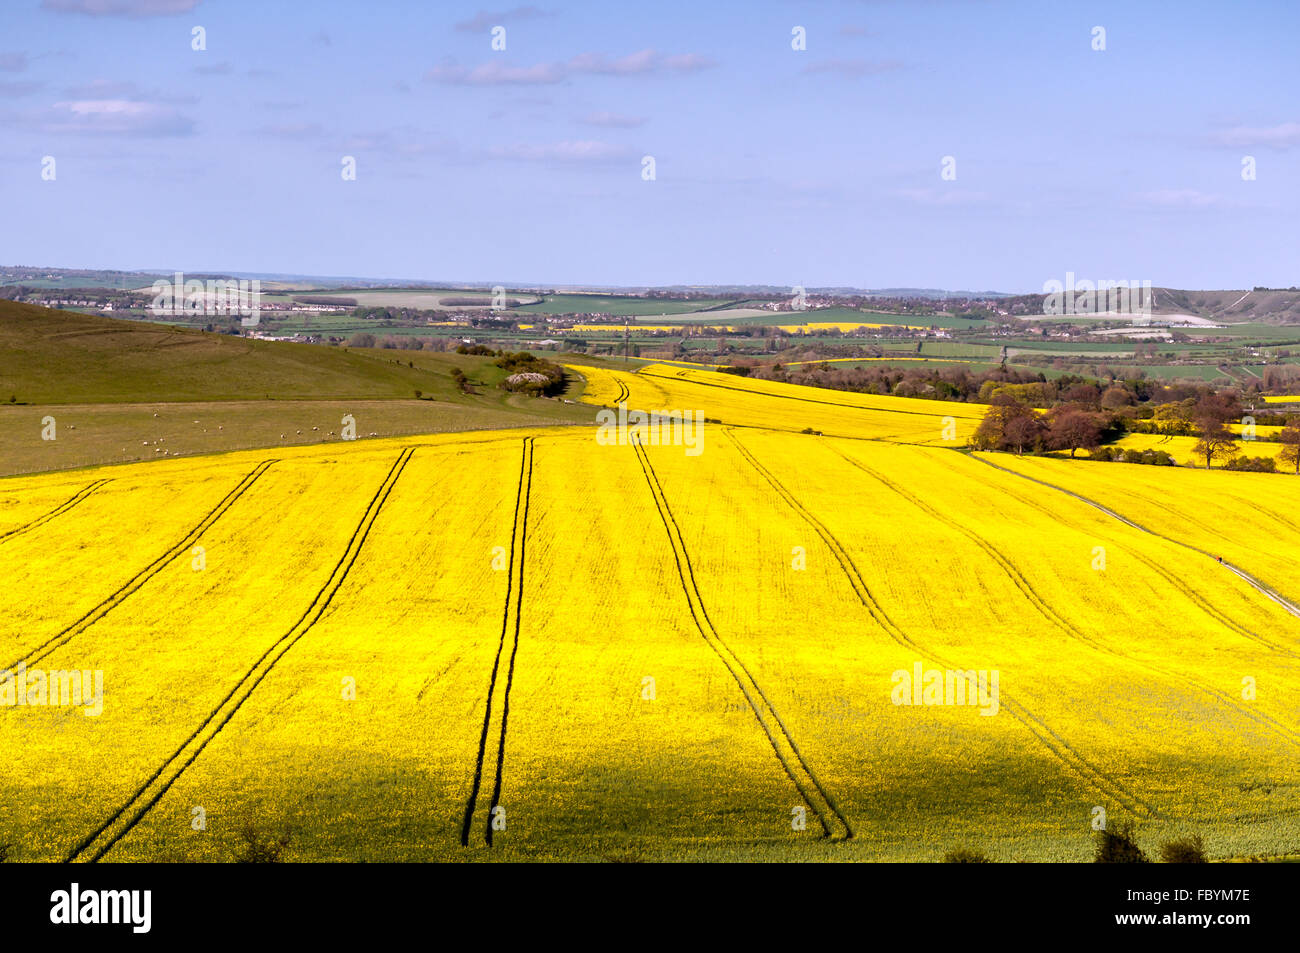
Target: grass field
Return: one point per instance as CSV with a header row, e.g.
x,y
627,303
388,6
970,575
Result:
x,y
121,391
385,649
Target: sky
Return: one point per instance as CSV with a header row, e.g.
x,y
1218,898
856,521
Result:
x,y
958,144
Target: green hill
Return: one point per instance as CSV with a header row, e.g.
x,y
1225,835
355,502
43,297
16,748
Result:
x,y
131,390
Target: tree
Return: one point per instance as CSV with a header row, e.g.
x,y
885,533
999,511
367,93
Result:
x,y
1024,431
1216,409
1216,443
1116,397
999,424
1072,430
1290,455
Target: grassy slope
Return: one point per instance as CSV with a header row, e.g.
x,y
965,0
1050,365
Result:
x,y
112,385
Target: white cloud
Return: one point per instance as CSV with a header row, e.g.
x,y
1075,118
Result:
x,y
948,196
117,117
586,150
122,8
484,20
496,73
1282,136
854,68
612,120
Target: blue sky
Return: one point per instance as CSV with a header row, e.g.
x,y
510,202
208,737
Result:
x,y
773,166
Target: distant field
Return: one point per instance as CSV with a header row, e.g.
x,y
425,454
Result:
x,y
413,298
615,304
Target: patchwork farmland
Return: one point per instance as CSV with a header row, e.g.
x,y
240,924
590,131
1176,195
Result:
x,y
531,644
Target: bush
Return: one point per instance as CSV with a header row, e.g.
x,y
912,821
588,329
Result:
x,y
531,375
964,855
260,848
1184,850
1119,846
362,339
1253,464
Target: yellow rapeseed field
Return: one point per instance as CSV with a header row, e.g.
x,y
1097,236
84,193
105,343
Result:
x,y
551,645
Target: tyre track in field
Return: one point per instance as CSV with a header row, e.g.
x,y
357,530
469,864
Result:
x,y
513,607
1074,761
1044,609
59,510
67,634
827,812
102,839
1173,580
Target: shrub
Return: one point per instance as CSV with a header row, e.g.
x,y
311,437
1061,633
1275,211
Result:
x,y
1184,850
1119,846
531,375
260,848
1253,464
964,855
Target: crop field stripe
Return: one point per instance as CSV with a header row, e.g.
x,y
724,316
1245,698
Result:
x,y
736,666
1026,588
1253,581
522,493
514,651
1064,751
62,508
1194,597
754,392
70,632
248,683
